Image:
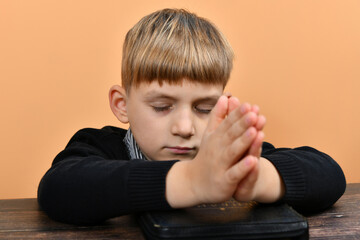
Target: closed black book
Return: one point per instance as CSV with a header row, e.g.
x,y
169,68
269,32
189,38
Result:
x,y
229,220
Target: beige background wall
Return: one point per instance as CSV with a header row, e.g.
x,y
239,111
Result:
x,y
298,60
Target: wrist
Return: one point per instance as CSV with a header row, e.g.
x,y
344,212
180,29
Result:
x,y
270,187
179,191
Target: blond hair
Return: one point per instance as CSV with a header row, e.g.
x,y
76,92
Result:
x,y
172,44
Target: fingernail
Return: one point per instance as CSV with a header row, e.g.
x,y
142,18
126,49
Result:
x,y
249,119
248,161
249,132
243,109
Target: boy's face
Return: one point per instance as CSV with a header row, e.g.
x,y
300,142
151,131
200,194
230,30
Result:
x,y
168,121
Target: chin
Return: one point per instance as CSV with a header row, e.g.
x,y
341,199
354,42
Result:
x,y
184,158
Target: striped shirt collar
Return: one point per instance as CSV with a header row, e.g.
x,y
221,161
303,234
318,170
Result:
x,y
134,151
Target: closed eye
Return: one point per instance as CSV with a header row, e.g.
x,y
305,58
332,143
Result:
x,y
204,108
161,109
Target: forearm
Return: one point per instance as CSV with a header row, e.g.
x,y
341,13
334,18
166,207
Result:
x,y
313,181
91,190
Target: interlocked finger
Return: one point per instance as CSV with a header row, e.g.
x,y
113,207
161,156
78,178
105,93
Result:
x,y
237,148
239,127
237,172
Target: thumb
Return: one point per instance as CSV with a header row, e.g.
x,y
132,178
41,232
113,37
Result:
x,y
219,112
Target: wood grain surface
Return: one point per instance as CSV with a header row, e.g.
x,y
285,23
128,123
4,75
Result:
x,y
22,219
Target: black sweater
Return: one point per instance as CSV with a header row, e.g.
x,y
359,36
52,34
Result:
x,y
92,179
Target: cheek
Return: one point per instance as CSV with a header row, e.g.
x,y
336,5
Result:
x,y
139,118
150,137
201,127
147,131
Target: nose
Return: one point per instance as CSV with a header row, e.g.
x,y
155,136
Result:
x,y
183,124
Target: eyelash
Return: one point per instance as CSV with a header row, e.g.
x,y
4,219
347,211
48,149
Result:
x,y
161,109
166,108
203,111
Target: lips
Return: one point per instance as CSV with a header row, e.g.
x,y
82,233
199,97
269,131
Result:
x,y
180,150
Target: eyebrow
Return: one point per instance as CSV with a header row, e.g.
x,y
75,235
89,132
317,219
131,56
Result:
x,y
159,95
208,99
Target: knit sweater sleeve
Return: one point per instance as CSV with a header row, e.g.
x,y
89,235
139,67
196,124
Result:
x,y
92,180
313,180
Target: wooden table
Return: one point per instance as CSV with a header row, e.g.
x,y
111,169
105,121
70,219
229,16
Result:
x,y
22,219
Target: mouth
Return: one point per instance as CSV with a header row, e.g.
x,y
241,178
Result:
x,y
181,150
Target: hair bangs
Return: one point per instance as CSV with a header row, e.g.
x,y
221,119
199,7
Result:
x,y
172,45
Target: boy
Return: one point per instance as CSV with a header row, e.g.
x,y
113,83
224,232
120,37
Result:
x,y
187,144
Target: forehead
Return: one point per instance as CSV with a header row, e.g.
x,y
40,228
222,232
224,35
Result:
x,y
185,88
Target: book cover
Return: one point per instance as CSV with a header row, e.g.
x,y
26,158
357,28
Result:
x,y
228,220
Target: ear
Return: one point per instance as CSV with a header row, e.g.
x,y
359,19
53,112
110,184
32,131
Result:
x,y
117,100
